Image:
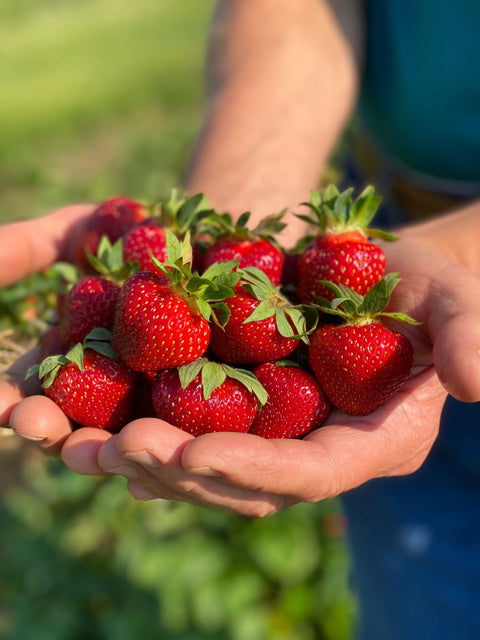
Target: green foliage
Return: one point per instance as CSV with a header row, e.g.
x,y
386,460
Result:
x,y
81,559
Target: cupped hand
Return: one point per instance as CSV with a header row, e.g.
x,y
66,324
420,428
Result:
x,y
254,476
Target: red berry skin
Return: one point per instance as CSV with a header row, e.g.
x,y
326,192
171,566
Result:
x,y
112,218
90,303
230,407
100,396
360,367
143,241
250,253
296,403
249,342
358,265
155,327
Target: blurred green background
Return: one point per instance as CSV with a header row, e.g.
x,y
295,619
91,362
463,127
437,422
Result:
x,y
102,98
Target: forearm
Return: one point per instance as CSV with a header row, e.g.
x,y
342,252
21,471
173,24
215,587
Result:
x,y
282,84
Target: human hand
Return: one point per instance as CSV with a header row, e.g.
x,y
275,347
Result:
x,y
255,476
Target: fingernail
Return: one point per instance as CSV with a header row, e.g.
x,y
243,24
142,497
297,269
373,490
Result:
x,y
143,457
205,471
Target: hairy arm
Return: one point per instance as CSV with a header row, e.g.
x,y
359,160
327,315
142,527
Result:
x,y
282,80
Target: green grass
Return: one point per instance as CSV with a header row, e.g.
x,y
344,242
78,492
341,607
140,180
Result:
x,y
98,97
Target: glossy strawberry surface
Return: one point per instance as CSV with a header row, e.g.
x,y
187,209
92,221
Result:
x,y
296,403
88,304
112,218
360,367
100,396
143,241
156,327
250,253
254,342
230,407
358,265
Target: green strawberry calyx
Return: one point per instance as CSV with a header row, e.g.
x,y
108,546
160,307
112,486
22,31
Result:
x,y
213,374
356,309
181,213
222,225
203,292
98,339
293,321
336,212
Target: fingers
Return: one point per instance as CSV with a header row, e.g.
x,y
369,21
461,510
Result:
x,y
80,451
445,296
333,459
34,244
37,418
149,453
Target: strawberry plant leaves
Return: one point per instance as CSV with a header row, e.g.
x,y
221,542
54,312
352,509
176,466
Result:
x,y
75,355
262,311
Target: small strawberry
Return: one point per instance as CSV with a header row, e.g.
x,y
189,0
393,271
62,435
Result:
x,y
91,301
162,319
112,218
204,396
263,325
252,248
296,403
148,238
90,384
361,363
341,252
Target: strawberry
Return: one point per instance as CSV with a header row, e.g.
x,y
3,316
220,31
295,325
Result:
x,y
90,384
341,252
91,301
296,403
361,363
178,214
111,218
252,248
206,396
162,319
263,325
88,304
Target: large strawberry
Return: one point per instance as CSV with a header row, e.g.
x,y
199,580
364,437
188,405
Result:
x,y
206,396
296,404
361,363
341,251
148,238
112,218
251,247
90,384
263,325
162,319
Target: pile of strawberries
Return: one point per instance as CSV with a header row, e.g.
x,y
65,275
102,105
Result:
x,y
175,311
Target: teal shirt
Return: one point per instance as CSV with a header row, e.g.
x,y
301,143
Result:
x,y
421,90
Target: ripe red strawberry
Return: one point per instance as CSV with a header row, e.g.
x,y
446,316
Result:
x,y
91,300
262,324
296,403
207,396
89,385
360,364
341,252
162,319
88,304
111,218
178,214
252,248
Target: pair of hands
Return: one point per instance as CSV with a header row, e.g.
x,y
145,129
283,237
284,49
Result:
x,y
247,474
